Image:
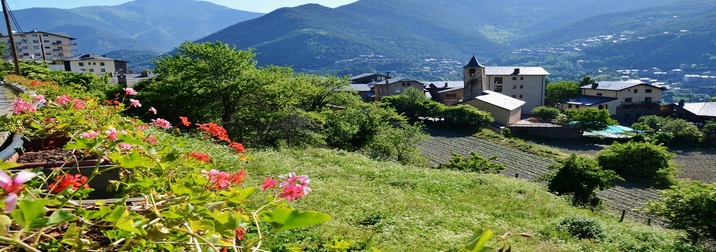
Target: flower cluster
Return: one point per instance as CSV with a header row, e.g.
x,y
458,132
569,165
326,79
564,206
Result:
x,y
22,106
161,123
12,186
220,180
292,187
200,156
62,182
214,130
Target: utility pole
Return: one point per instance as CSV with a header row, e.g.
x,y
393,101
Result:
x,y
12,37
42,49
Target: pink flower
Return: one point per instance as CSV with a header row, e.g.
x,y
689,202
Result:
x,y
134,103
39,98
293,192
129,91
78,104
89,135
62,100
268,183
219,178
151,139
292,179
161,123
13,186
153,110
22,106
125,146
111,134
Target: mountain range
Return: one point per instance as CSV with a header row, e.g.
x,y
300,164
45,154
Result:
x,y
402,35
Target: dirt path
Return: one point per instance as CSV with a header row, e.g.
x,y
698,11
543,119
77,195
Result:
x,y
437,148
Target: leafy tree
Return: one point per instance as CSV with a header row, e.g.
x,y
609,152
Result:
x,y
689,206
684,132
653,122
586,80
357,125
546,113
580,176
591,119
467,116
559,91
639,160
474,163
398,143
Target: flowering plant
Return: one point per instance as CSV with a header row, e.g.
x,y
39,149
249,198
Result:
x,y
173,196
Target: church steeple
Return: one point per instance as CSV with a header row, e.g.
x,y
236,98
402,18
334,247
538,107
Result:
x,y
473,78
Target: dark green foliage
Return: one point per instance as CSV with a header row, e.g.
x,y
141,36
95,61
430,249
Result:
x,y
397,144
546,113
582,227
357,125
467,117
591,119
474,163
580,176
560,91
413,104
670,131
689,206
641,160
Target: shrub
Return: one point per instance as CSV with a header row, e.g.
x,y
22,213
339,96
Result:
x,y
467,116
580,176
690,207
474,163
639,160
581,227
546,113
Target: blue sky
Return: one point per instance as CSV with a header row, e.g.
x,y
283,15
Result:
x,y
264,6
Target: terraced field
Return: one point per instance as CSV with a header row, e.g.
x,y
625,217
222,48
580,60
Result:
x,y
625,196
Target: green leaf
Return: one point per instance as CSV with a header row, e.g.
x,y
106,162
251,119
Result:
x,y
5,223
29,210
241,196
126,223
286,218
8,165
172,215
133,160
478,240
57,217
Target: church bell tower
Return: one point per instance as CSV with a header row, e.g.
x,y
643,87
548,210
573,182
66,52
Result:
x,y
473,77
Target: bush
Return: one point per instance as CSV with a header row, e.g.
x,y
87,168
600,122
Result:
x,y
545,113
639,160
690,207
474,163
581,227
466,116
580,176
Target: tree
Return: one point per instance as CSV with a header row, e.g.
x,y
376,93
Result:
x,y
580,176
557,92
639,160
689,206
587,81
398,143
591,119
546,113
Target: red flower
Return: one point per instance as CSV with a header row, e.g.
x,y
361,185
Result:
x,y
238,177
215,130
240,233
268,183
185,121
238,146
200,156
68,180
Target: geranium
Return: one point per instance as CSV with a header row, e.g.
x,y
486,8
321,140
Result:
x,y
134,103
90,134
151,139
112,133
67,180
161,123
238,177
111,102
215,130
22,106
293,192
238,146
219,179
200,156
268,183
39,98
62,100
125,146
185,121
153,110
13,186
129,91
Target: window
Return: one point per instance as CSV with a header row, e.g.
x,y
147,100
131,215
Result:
x,y
472,71
520,96
514,86
648,90
48,53
82,64
576,106
569,106
498,80
102,64
35,41
636,90
91,70
513,96
647,100
599,94
47,47
628,99
522,78
102,70
498,88
46,41
514,78
521,86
